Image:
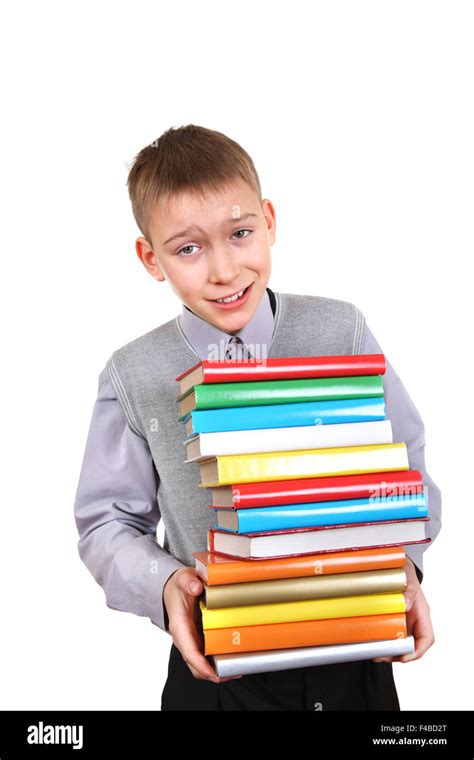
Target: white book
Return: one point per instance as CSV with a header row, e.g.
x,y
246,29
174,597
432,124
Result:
x,y
204,445
301,657
306,541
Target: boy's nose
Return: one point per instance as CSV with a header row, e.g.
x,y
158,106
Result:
x,y
224,267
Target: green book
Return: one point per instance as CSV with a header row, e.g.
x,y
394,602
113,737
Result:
x,y
224,395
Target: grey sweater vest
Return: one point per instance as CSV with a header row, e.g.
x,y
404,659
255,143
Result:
x,y
143,374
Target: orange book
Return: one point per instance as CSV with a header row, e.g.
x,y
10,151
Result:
x,y
217,570
305,633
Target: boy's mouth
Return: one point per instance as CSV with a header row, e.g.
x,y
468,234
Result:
x,y
236,299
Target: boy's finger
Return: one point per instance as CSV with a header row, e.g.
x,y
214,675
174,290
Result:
x,y
422,644
203,667
230,678
422,631
198,662
188,644
217,679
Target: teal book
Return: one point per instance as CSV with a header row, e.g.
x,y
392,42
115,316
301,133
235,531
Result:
x,y
225,395
309,514
285,415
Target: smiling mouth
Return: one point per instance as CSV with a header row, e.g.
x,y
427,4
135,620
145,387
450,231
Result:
x,y
233,297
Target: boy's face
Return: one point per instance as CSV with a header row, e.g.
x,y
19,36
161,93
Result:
x,y
211,249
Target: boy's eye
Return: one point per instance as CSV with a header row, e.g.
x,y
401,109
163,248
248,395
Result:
x,y
242,230
185,250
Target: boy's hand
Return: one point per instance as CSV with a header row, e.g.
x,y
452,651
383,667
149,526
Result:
x,y
180,596
418,618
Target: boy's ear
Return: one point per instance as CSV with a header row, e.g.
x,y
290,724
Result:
x,y
146,255
270,218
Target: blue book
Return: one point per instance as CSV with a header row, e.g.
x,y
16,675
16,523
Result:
x,y
312,514
286,415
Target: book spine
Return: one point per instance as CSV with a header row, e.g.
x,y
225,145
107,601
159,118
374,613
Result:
x,y
286,367
288,415
297,589
222,570
215,395
291,439
318,462
298,551
304,633
263,662
313,609
329,513
275,493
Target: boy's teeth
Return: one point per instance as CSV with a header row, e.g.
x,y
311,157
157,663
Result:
x,y
232,298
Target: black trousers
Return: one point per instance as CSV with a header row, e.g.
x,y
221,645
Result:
x,y
361,685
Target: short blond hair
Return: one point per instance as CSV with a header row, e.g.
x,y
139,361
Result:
x,y
183,159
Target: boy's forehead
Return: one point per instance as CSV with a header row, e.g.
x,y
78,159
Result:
x,y
192,207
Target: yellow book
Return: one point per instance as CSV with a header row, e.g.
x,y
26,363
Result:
x,y
312,609
303,463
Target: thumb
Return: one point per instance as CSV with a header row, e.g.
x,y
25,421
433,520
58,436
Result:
x,y
190,583
195,586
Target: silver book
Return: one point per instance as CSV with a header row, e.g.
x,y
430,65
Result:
x,y
245,663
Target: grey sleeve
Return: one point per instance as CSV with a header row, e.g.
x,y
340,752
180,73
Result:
x,y
117,513
408,427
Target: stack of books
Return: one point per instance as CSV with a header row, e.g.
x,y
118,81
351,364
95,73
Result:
x,y
314,503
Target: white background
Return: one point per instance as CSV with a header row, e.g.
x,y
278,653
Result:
x,y
359,118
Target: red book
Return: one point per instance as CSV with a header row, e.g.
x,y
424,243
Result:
x,y
303,490
284,368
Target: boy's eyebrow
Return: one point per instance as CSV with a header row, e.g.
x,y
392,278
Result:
x,y
193,227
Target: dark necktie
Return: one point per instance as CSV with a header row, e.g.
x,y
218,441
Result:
x,y
236,349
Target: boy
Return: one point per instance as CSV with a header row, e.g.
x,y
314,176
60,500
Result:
x,y
206,230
